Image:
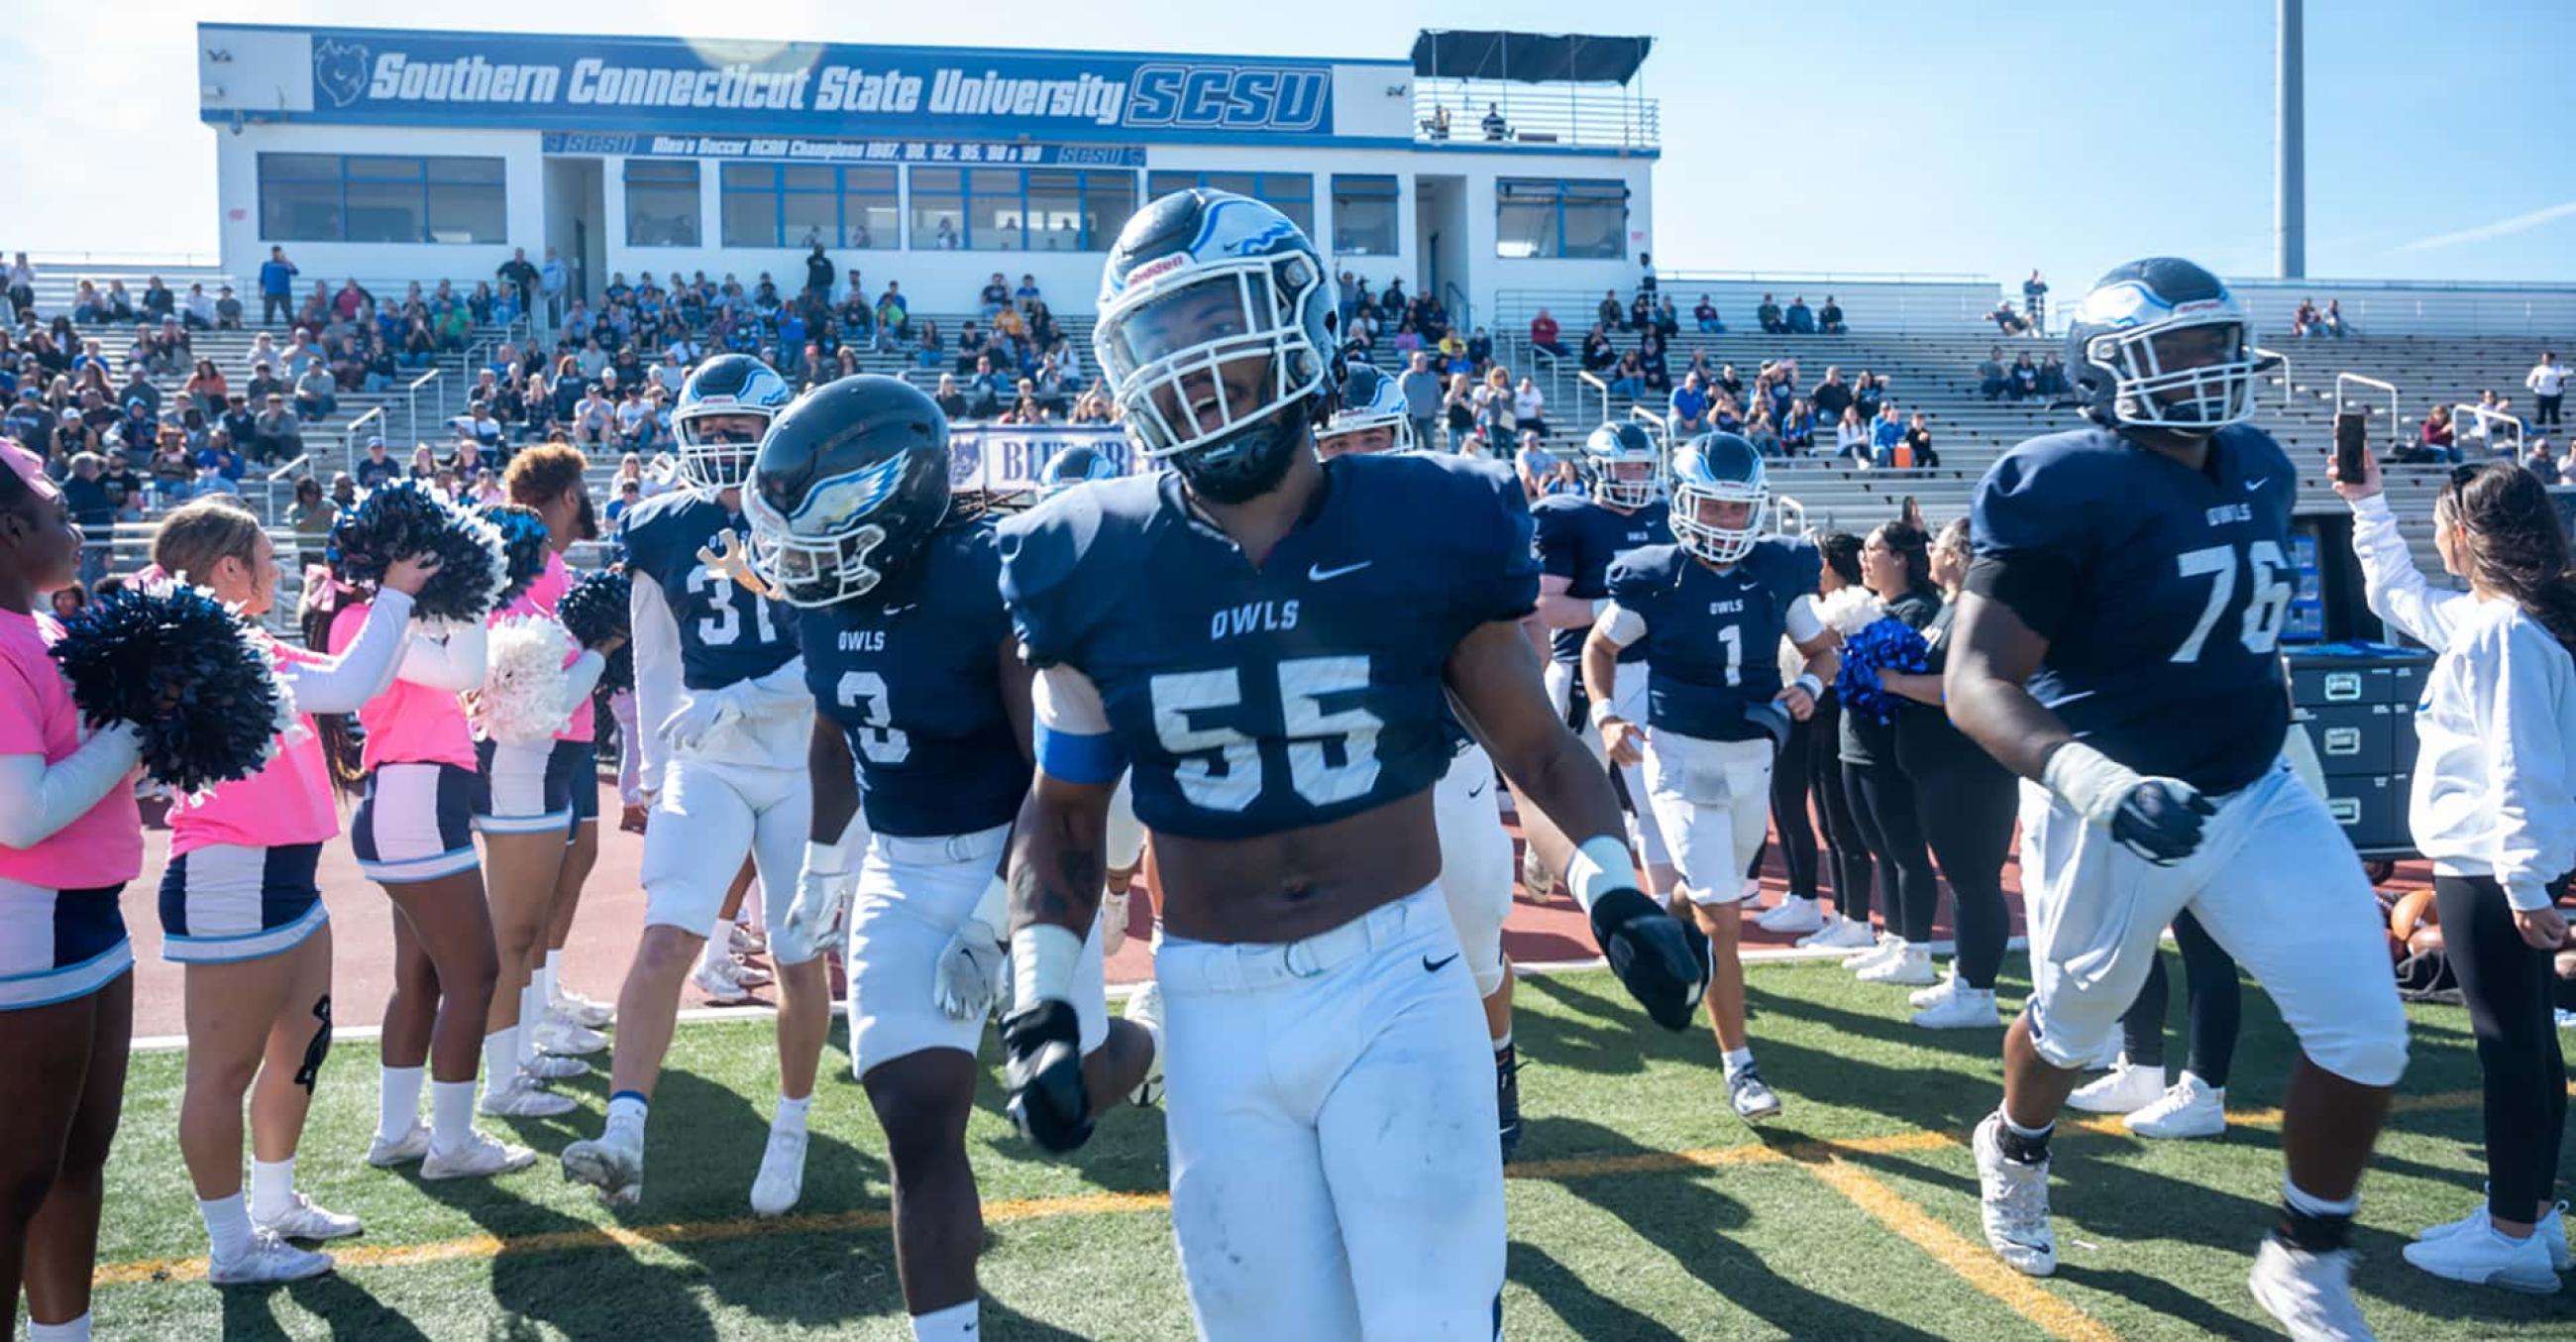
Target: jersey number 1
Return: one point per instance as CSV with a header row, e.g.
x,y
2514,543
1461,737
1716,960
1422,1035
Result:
x,y
1303,682
2267,605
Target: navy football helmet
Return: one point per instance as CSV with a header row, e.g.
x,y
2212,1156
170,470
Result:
x,y
716,447
848,484
1717,468
1216,337
1074,466
2162,344
1371,401
1625,464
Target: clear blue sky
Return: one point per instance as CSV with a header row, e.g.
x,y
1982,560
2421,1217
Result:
x,y
1879,135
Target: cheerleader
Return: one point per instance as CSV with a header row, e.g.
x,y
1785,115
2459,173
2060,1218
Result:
x,y
70,839
241,913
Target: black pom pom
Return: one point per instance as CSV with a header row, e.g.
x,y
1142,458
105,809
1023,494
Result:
x,y
405,519
525,541
194,677
618,675
595,610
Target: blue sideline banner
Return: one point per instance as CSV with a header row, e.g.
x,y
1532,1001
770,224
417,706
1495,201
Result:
x,y
1006,458
808,149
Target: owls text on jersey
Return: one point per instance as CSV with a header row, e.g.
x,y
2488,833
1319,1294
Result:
x,y
1577,538
909,673
1256,700
727,635
1712,636
2175,585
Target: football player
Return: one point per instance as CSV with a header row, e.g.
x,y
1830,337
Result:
x,y
1068,469
720,696
2115,647
1475,849
1577,536
1709,611
922,720
1267,636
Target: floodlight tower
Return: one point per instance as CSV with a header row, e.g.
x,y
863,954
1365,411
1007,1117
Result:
x,y
2290,156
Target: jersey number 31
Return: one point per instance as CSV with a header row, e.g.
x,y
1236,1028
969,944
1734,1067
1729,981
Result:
x,y
2267,603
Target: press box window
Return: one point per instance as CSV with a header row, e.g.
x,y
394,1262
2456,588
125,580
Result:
x,y
377,198
662,203
1364,216
1290,193
1548,218
1013,210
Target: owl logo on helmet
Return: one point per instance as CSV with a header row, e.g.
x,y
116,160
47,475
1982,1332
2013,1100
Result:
x,y
1216,337
2161,344
1721,494
1071,467
1625,465
848,485
1372,416
724,410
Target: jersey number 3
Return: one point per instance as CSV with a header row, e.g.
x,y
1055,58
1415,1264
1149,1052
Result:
x,y
2267,603
1232,778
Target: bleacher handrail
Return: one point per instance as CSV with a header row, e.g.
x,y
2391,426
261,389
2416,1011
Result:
x,y
1588,378
1662,427
2486,420
2343,380
303,461
1540,116
350,437
2284,361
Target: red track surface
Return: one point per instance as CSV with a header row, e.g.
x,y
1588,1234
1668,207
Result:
x,y
611,919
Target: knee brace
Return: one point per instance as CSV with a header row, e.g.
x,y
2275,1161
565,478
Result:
x,y
310,1073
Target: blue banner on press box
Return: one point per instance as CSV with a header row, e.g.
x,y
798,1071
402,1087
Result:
x,y
807,149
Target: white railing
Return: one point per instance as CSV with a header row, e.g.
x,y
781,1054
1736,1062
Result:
x,y
1662,428
2465,413
291,469
2343,380
2284,361
430,380
1540,116
1587,378
353,437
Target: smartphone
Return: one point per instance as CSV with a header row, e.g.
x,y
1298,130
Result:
x,y
2352,442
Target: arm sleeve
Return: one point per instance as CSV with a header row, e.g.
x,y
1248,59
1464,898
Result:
x,y
621,706
361,671
2518,681
1072,729
452,661
37,799
1803,624
655,637
1621,625
2396,590
581,676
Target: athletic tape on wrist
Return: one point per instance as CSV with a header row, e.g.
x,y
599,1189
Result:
x,y
1600,865
1599,604
1042,960
1807,681
2088,780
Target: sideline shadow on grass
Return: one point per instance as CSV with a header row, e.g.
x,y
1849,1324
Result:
x,y
1584,1311
250,1315
1602,1033
1685,1218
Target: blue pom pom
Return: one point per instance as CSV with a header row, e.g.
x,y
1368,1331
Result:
x,y
405,519
194,677
1886,644
525,541
595,610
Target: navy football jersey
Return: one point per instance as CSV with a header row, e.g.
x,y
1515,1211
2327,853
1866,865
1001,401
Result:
x,y
1714,638
1577,538
909,673
2165,659
1255,700
727,635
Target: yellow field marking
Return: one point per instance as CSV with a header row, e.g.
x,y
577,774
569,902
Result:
x,y
1813,1154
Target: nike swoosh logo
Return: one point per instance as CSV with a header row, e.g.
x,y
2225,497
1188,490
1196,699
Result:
x,y
1431,966
892,611
2252,485
1319,573
1478,791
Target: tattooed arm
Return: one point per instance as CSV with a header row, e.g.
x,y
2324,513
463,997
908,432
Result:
x,y
1055,872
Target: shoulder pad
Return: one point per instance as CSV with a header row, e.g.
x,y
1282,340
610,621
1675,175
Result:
x,y
1045,551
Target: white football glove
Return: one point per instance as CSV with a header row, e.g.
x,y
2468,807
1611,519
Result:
x,y
814,917
975,967
707,714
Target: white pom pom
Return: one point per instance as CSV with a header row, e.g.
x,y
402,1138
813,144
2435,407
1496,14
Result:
x,y
1850,610
523,698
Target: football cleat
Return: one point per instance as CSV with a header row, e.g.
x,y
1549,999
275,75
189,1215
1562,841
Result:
x,y
2309,1293
566,1039
2190,1107
722,983
613,1164
2012,1202
1146,1009
1752,1100
782,1173
1507,1096
589,1013
549,1067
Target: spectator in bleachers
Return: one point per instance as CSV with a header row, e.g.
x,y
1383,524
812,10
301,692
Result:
x,y
1851,436
1628,379
1529,407
1543,335
174,468
2034,300
376,469
120,304
1918,443
1453,354
18,285
29,421
276,287
228,310
2008,322
1480,348
2052,376
1768,317
92,510
894,315
1651,366
1886,440
1458,412
1027,296
1831,395
952,402
2540,463
1688,408
316,392
1866,395
2331,320
1641,312
1422,389
1668,323
240,421
124,484
988,390
1093,408
276,434
1494,126
1990,374
1724,415
2024,378
1612,316
309,520
1829,319
1705,317
812,370
2547,381
995,296
2433,438
933,346
1598,354
554,280
2303,319
1798,428
1764,436
2506,427
1802,319
623,499
197,312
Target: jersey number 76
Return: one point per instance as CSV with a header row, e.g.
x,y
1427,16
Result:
x,y
1219,767
2267,603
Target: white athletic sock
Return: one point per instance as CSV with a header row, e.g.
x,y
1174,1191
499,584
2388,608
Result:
x,y
719,947
544,977
626,1111
554,976
500,1058
398,1101
451,1115
532,1009
791,1114
227,1224
272,1187
1502,1041
75,1331
1737,1059
2309,1204
956,1323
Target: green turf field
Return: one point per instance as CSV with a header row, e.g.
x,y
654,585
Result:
x,y
1640,1208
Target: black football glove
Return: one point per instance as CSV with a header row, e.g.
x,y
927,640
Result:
x,y
1651,953
1042,1066
2159,819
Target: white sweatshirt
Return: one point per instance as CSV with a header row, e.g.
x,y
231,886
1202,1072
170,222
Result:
x,y
2547,379
2495,733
